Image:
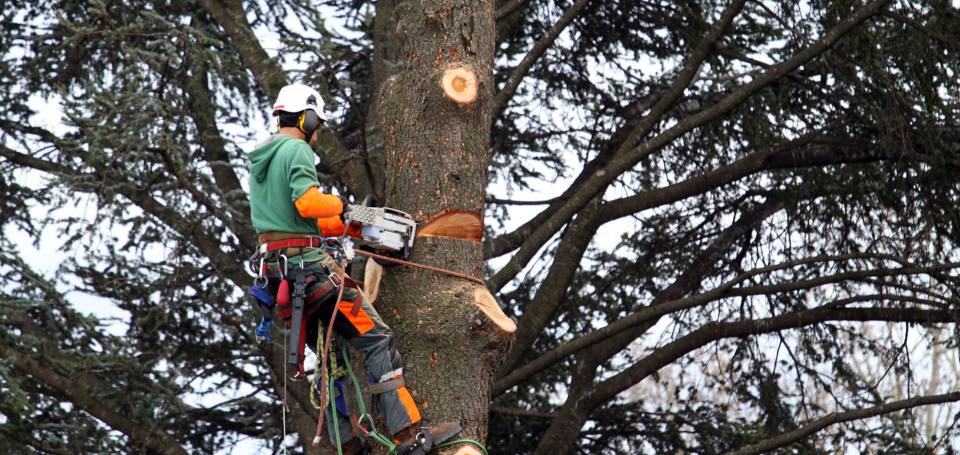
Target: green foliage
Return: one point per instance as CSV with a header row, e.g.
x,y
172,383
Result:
x,y
158,106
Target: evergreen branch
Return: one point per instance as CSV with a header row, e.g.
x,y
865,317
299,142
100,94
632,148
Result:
x,y
229,14
532,235
715,331
550,294
939,37
806,151
77,392
518,73
207,244
648,316
567,423
688,281
508,242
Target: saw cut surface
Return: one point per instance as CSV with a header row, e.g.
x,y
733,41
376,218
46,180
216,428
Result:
x,y
455,224
460,85
372,274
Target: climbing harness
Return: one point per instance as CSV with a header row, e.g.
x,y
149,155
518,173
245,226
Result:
x,y
292,307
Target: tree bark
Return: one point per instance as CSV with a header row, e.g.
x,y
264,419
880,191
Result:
x,y
436,155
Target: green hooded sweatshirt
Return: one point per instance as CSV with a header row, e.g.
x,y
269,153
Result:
x,y
281,170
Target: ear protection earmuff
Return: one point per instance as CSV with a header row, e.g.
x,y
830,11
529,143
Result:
x,y
308,122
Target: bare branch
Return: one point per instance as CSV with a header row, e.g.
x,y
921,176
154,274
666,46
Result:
x,y
508,9
834,418
719,330
521,412
651,313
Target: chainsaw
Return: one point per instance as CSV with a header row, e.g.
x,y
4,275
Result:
x,y
383,228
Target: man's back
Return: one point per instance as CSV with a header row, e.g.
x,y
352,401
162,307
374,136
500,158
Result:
x,y
281,170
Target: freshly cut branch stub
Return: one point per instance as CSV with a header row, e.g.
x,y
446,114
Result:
x,y
484,300
460,84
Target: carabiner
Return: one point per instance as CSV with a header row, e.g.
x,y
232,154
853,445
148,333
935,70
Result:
x,y
282,267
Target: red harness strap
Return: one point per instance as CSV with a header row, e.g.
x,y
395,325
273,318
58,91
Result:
x,y
305,242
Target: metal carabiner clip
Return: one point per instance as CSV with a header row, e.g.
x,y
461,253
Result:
x,y
282,262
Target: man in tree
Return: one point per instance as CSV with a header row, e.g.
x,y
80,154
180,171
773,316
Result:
x,y
290,215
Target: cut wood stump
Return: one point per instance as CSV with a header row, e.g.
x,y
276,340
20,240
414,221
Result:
x,y
460,84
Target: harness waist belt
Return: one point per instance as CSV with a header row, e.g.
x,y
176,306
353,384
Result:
x,y
302,242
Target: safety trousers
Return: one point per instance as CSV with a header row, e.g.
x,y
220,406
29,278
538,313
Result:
x,y
365,332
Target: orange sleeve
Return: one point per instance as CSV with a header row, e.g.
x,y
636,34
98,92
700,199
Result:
x,y
314,204
333,227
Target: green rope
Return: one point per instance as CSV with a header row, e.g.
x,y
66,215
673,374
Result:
x,y
361,408
336,423
353,378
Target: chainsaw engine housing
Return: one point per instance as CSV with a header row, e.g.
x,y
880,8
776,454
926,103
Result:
x,y
384,228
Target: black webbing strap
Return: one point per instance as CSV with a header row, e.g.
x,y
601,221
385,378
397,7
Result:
x,y
295,346
385,386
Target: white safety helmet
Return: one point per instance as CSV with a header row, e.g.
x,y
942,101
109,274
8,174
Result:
x,y
299,97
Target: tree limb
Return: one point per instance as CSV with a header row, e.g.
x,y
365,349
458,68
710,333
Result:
x,y
715,331
550,294
508,242
534,233
505,10
650,314
942,39
834,418
76,391
574,411
689,280
229,14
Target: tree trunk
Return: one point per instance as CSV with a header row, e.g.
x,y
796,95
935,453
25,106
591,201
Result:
x,y
436,155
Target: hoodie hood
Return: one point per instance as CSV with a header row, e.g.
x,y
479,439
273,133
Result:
x,y
263,154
